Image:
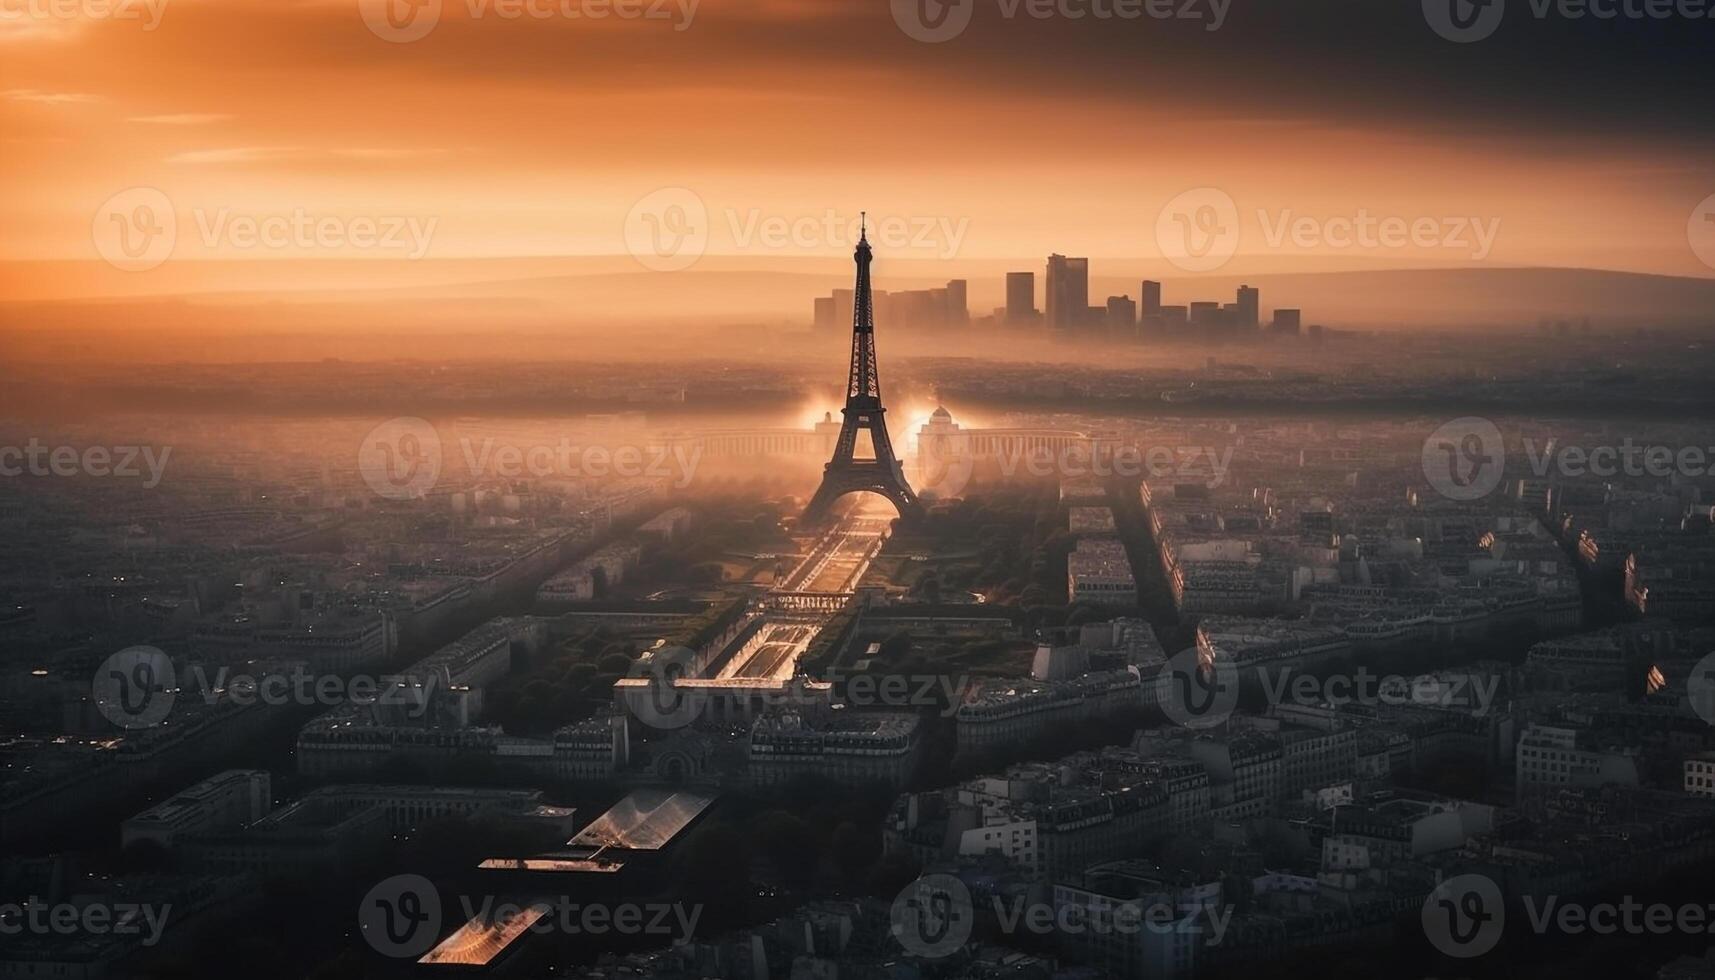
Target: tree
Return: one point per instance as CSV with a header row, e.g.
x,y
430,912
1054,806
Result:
x,y
929,588
789,845
855,849
714,866
1082,614
145,856
896,646
891,874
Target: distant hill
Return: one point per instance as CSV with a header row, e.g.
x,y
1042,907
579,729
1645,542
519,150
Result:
x,y
566,295
1458,297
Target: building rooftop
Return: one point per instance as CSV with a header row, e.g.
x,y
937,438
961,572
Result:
x,y
481,939
647,820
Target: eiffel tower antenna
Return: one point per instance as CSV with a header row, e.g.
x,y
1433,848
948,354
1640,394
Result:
x,y
845,473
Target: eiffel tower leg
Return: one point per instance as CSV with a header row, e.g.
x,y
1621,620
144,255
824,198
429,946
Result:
x,y
837,483
821,503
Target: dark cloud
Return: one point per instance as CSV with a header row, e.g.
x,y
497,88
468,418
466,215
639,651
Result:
x,y
1353,63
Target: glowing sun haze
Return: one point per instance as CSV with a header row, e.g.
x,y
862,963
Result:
x,y
534,136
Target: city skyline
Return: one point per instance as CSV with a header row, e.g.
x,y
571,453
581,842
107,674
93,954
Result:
x,y
1067,309
876,490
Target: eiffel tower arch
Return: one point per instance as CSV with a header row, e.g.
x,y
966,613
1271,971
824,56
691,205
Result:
x,y
845,472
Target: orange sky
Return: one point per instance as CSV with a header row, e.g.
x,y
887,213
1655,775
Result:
x,y
537,136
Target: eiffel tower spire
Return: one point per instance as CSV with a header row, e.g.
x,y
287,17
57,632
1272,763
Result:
x,y
846,473
864,382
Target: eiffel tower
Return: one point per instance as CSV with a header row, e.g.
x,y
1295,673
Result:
x,y
845,473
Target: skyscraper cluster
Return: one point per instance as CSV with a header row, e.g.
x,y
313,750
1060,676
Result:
x,y
944,306
1068,312
1067,308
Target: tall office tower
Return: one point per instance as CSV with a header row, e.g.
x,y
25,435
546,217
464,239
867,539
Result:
x,y
1122,316
1249,298
1151,301
842,308
1068,292
1020,297
937,306
824,312
1205,313
1053,288
958,311
918,307
1286,321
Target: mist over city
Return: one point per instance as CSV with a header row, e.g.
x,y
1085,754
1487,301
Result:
x,y
774,490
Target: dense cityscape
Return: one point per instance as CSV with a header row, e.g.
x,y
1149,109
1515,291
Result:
x,y
1067,311
1138,693
908,490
